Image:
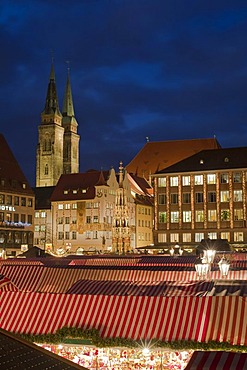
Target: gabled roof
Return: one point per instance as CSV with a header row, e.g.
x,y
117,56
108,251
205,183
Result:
x,y
155,156
17,353
206,160
10,171
79,186
139,185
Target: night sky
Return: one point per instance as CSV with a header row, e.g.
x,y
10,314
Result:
x,y
163,69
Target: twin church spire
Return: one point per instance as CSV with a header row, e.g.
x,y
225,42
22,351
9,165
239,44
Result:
x,y
58,140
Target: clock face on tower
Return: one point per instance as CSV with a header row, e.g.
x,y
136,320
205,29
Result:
x,y
99,193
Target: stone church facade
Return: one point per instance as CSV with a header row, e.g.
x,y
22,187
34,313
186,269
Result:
x,y
58,141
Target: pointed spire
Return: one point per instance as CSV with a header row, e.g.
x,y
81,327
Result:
x,y
68,108
51,104
120,174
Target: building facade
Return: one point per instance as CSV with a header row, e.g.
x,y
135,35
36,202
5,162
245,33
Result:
x,y
82,210
58,142
16,205
203,196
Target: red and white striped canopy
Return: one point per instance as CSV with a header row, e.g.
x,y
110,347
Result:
x,y
217,361
201,319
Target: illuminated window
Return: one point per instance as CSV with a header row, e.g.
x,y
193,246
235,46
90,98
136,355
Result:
x,y
225,235
212,235
238,236
237,177
174,237
212,215
186,180
224,178
199,237
198,179
238,214
186,238
186,216
95,219
161,238
199,216
211,178
162,217
60,206
174,180
237,196
162,182
186,198
174,217
224,196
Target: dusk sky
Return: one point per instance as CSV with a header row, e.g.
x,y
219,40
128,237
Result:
x,y
163,69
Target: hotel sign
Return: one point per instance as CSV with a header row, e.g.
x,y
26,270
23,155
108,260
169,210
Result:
x,y
7,208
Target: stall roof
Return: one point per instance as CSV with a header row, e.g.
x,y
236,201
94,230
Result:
x,y
217,360
17,353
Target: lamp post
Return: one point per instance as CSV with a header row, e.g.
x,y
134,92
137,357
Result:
x,y
203,266
224,266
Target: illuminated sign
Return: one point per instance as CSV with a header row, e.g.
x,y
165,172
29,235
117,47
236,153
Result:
x,y
7,208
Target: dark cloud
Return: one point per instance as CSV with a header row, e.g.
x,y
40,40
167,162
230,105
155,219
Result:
x,y
164,69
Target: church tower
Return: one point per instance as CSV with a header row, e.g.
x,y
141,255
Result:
x,y
58,142
71,138
49,156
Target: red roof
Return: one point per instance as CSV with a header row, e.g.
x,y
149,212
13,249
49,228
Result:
x,y
155,156
79,186
10,171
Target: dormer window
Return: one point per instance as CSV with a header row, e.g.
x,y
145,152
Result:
x,y
66,192
83,190
201,161
24,186
75,191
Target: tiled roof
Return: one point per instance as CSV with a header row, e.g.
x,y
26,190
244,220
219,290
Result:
x,y
206,160
144,200
11,172
17,353
79,186
155,156
139,185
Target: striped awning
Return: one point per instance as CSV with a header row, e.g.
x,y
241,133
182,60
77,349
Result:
x,y
59,280
217,360
202,319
